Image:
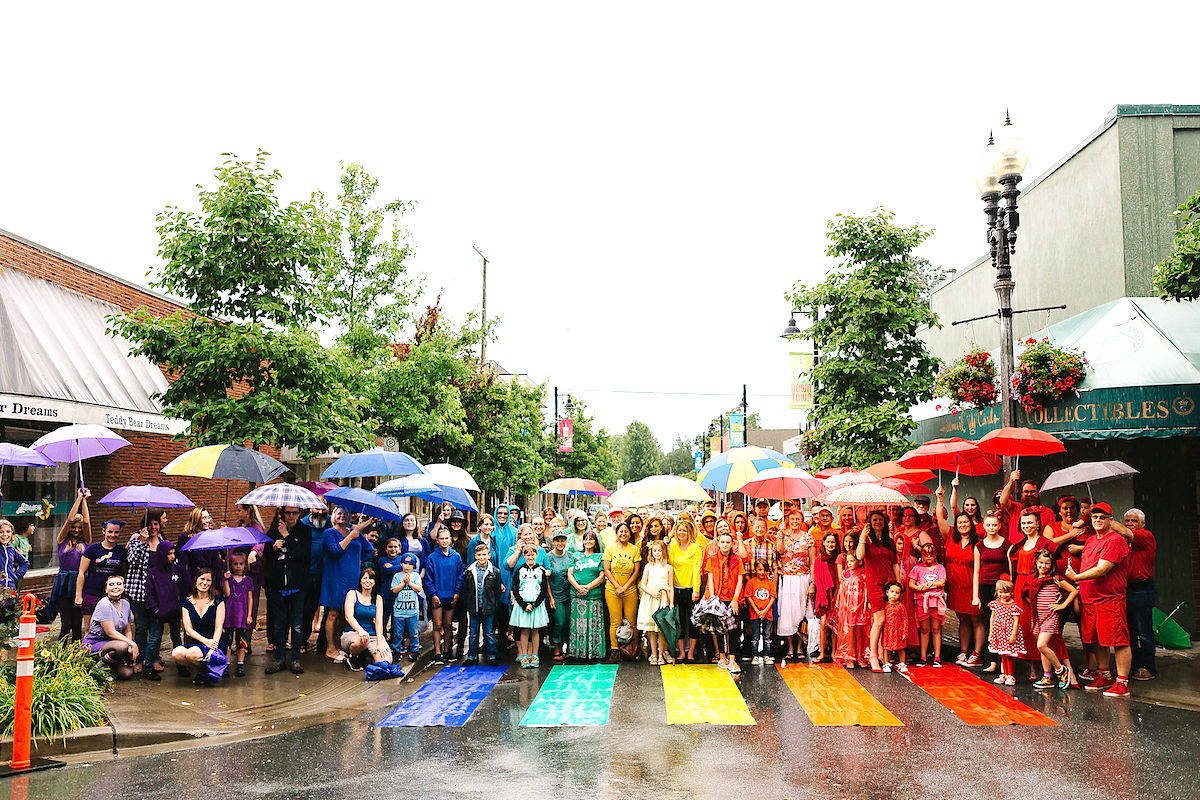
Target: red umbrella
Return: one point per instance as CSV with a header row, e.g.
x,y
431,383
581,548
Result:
x,y
960,455
829,472
1020,442
892,469
908,488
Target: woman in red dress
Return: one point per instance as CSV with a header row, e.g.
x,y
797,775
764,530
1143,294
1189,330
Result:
x,y
877,552
962,582
1021,563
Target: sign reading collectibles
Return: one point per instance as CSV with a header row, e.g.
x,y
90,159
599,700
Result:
x,y
1160,411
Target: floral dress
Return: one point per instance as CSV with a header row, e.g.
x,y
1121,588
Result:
x,y
588,630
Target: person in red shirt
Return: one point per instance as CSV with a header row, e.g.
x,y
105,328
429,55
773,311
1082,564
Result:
x,y
1140,593
877,552
723,583
1102,580
760,596
1030,501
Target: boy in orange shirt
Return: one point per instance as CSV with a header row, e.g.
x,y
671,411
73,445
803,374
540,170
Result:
x,y
760,591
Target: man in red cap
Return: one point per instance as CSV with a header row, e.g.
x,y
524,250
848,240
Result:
x,y
1102,579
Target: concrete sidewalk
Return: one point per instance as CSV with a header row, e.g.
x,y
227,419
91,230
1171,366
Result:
x,y
155,716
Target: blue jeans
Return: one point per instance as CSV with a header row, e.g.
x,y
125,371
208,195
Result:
x,y
760,637
406,628
487,622
1139,602
154,632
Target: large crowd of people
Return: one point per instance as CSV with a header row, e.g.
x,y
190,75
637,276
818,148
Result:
x,y
866,588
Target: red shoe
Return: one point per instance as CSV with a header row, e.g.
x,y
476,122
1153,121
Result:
x,y
1101,683
1118,689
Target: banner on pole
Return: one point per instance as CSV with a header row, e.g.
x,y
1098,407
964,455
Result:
x,y
737,430
698,457
714,446
800,376
566,435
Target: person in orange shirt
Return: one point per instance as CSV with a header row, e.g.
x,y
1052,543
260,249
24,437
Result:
x,y
760,595
717,612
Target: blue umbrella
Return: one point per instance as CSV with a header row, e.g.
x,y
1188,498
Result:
x,y
421,486
363,502
373,464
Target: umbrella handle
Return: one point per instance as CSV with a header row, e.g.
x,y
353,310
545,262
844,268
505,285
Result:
x,y
80,463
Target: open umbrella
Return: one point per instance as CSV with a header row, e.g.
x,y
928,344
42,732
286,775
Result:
x,y
228,462
849,478
893,469
73,443
657,489
907,488
317,487
281,495
955,453
146,497
449,475
829,472
1087,473
784,483
574,486
375,463
729,471
363,502
226,538
864,494
424,487
1020,442
13,455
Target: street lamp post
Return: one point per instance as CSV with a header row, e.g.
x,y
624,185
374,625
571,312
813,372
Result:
x,y
1003,163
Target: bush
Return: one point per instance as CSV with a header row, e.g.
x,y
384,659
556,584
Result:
x,y
68,689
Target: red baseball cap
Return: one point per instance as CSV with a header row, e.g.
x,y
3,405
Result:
x,y
1105,507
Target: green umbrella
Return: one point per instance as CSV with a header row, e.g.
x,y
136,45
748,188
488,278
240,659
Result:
x,y
667,620
1168,632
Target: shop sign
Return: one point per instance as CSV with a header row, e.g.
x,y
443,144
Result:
x,y
1160,411
64,412
42,509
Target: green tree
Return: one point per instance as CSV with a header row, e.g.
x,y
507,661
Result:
x,y
246,364
508,453
679,461
1178,276
640,454
369,286
873,366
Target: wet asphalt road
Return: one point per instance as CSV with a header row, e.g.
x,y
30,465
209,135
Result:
x,y
1105,748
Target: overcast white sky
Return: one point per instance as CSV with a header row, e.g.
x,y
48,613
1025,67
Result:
x,y
646,178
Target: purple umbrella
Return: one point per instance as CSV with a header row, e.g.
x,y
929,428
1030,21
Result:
x,y
146,497
73,443
224,538
317,487
13,455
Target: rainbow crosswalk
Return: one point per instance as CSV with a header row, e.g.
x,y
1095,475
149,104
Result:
x,y
582,695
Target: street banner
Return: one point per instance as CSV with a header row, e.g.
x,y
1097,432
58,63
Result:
x,y
714,447
698,457
566,435
737,430
800,376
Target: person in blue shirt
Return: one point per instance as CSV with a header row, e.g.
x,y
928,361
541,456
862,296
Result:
x,y
443,581
389,567
485,534
343,545
406,588
318,522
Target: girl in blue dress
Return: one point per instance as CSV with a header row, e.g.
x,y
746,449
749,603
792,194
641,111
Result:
x,y
530,596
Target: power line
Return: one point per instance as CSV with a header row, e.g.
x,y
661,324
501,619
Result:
x,y
675,394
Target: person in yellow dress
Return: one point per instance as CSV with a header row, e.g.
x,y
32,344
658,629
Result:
x,y
622,563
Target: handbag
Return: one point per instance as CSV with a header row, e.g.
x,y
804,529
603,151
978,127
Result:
x,y
624,632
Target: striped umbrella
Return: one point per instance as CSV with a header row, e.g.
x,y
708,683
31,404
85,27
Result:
x,y
729,471
575,486
279,495
784,483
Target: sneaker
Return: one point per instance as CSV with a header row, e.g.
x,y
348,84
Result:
x,y
534,663
412,657
1086,675
296,668
151,675
240,671
961,660
1010,680
1098,684
722,663
1143,674
1000,680
734,669
274,666
902,668
1045,682
887,667
972,661
1118,689
768,660
936,663
1062,677
758,662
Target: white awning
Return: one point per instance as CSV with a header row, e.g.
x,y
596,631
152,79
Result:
x,y
54,345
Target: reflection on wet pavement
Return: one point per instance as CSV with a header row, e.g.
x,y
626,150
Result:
x,y
1103,748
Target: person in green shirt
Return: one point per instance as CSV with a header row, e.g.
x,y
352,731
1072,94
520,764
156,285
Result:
x,y
561,560
21,539
586,576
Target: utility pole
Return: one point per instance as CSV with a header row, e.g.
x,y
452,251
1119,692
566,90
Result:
x,y
483,338
745,419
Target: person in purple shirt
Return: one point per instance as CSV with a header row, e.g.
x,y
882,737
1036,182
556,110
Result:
x,y
110,630
100,561
167,582
74,535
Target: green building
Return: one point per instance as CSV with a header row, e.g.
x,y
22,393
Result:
x,y
1093,227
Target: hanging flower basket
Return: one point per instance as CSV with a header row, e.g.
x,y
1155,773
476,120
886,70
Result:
x,y
970,382
1045,374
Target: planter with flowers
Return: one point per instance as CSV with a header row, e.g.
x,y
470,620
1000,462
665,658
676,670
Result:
x,y
1046,373
969,382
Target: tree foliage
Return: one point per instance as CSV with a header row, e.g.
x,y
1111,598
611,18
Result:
x,y
873,368
640,454
1177,277
679,461
593,455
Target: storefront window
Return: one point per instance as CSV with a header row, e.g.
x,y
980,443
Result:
x,y
40,496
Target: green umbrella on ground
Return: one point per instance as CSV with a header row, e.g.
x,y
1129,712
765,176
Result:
x,y
667,620
1170,633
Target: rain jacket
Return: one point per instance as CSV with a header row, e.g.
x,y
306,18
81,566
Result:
x,y
574,539
443,574
503,539
13,566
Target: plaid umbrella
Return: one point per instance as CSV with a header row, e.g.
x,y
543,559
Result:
x,y
278,495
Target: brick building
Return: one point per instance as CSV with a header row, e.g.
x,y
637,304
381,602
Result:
x,y
58,366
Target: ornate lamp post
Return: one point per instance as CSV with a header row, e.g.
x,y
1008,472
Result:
x,y
1003,163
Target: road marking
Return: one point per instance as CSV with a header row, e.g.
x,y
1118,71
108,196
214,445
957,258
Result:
x,y
573,695
973,700
703,693
448,698
830,695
